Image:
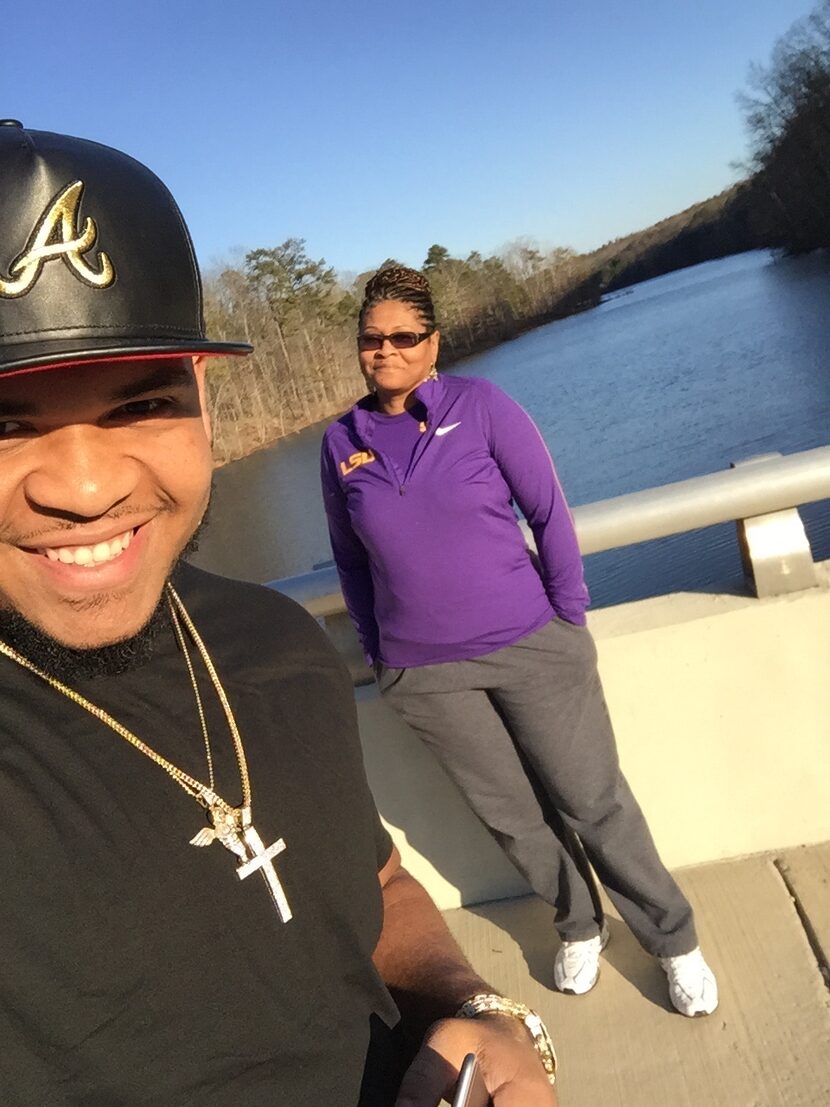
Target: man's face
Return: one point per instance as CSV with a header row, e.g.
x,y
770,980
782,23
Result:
x,y
104,475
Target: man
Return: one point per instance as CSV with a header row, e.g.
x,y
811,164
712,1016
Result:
x,y
138,967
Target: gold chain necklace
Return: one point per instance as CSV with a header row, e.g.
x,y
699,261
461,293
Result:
x,y
232,826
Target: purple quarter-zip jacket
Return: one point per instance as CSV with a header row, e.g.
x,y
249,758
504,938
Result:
x,y
432,563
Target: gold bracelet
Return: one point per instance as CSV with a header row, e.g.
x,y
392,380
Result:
x,y
485,1004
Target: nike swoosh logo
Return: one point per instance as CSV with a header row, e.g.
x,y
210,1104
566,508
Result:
x,y
446,430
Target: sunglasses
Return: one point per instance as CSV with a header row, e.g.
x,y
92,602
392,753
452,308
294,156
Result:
x,y
401,340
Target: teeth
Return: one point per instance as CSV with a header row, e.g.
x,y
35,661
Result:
x,y
89,555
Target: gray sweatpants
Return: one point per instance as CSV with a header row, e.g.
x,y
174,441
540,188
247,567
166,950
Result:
x,y
525,733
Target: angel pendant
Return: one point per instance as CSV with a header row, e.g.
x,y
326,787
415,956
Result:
x,y
226,829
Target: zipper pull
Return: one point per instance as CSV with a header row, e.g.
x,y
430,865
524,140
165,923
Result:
x,y
400,490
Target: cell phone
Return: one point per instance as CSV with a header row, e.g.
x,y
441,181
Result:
x,y
470,1090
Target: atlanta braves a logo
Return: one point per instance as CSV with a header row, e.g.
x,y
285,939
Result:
x,y
57,235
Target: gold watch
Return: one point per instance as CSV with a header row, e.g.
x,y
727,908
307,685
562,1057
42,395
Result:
x,y
486,1004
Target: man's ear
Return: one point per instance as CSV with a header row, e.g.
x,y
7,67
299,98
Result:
x,y
199,372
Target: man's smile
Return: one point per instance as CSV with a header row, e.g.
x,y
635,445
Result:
x,y
90,555
99,562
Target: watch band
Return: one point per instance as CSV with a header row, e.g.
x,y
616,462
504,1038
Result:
x,y
485,1004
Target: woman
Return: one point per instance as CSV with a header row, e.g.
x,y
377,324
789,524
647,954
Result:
x,y
483,651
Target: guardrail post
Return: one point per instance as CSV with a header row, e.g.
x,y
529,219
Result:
x,y
775,552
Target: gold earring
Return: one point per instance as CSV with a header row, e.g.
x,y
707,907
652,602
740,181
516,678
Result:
x,y
432,375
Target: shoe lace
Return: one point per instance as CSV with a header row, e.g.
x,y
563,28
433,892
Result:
x,y
575,953
686,970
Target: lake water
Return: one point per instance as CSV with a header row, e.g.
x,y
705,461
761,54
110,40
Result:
x,y
675,377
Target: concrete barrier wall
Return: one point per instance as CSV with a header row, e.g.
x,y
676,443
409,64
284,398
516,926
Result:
x,y
721,706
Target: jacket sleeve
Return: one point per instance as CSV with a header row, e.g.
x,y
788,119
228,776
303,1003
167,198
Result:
x,y
350,557
527,467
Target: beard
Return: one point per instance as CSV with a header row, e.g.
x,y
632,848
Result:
x,y
68,664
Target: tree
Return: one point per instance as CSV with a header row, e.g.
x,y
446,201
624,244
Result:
x,y
295,288
436,257
787,112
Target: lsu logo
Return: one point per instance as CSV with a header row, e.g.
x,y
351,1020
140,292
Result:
x,y
363,457
57,236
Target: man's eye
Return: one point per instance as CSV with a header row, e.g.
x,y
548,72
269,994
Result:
x,y
10,428
156,405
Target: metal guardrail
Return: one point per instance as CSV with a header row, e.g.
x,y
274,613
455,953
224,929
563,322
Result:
x,y
740,493
757,488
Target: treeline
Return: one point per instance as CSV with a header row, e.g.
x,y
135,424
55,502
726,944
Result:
x,y
787,110
300,322
302,319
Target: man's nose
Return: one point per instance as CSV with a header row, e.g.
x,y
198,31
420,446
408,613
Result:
x,y
80,474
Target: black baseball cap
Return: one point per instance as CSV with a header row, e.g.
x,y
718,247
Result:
x,y
96,262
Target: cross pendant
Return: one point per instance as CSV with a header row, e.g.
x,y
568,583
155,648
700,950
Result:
x,y
261,859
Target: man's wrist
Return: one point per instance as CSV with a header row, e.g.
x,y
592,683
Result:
x,y
489,1003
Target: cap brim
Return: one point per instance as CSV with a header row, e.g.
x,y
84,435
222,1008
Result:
x,y
66,356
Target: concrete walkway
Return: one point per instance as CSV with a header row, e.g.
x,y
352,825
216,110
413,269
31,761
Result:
x,y
764,924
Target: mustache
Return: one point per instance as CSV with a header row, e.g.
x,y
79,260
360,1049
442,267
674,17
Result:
x,y
67,524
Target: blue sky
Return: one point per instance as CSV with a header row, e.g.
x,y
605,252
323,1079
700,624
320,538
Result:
x,y
375,129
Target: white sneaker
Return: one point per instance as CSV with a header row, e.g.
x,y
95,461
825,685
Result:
x,y
576,967
693,989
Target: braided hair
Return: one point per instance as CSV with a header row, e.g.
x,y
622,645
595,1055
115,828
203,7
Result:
x,y
408,286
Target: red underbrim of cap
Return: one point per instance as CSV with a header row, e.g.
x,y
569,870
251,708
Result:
x,y
137,356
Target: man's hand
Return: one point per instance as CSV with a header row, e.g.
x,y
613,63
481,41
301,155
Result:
x,y
507,1060
430,978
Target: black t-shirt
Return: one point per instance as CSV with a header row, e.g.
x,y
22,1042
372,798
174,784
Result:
x,y
139,971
